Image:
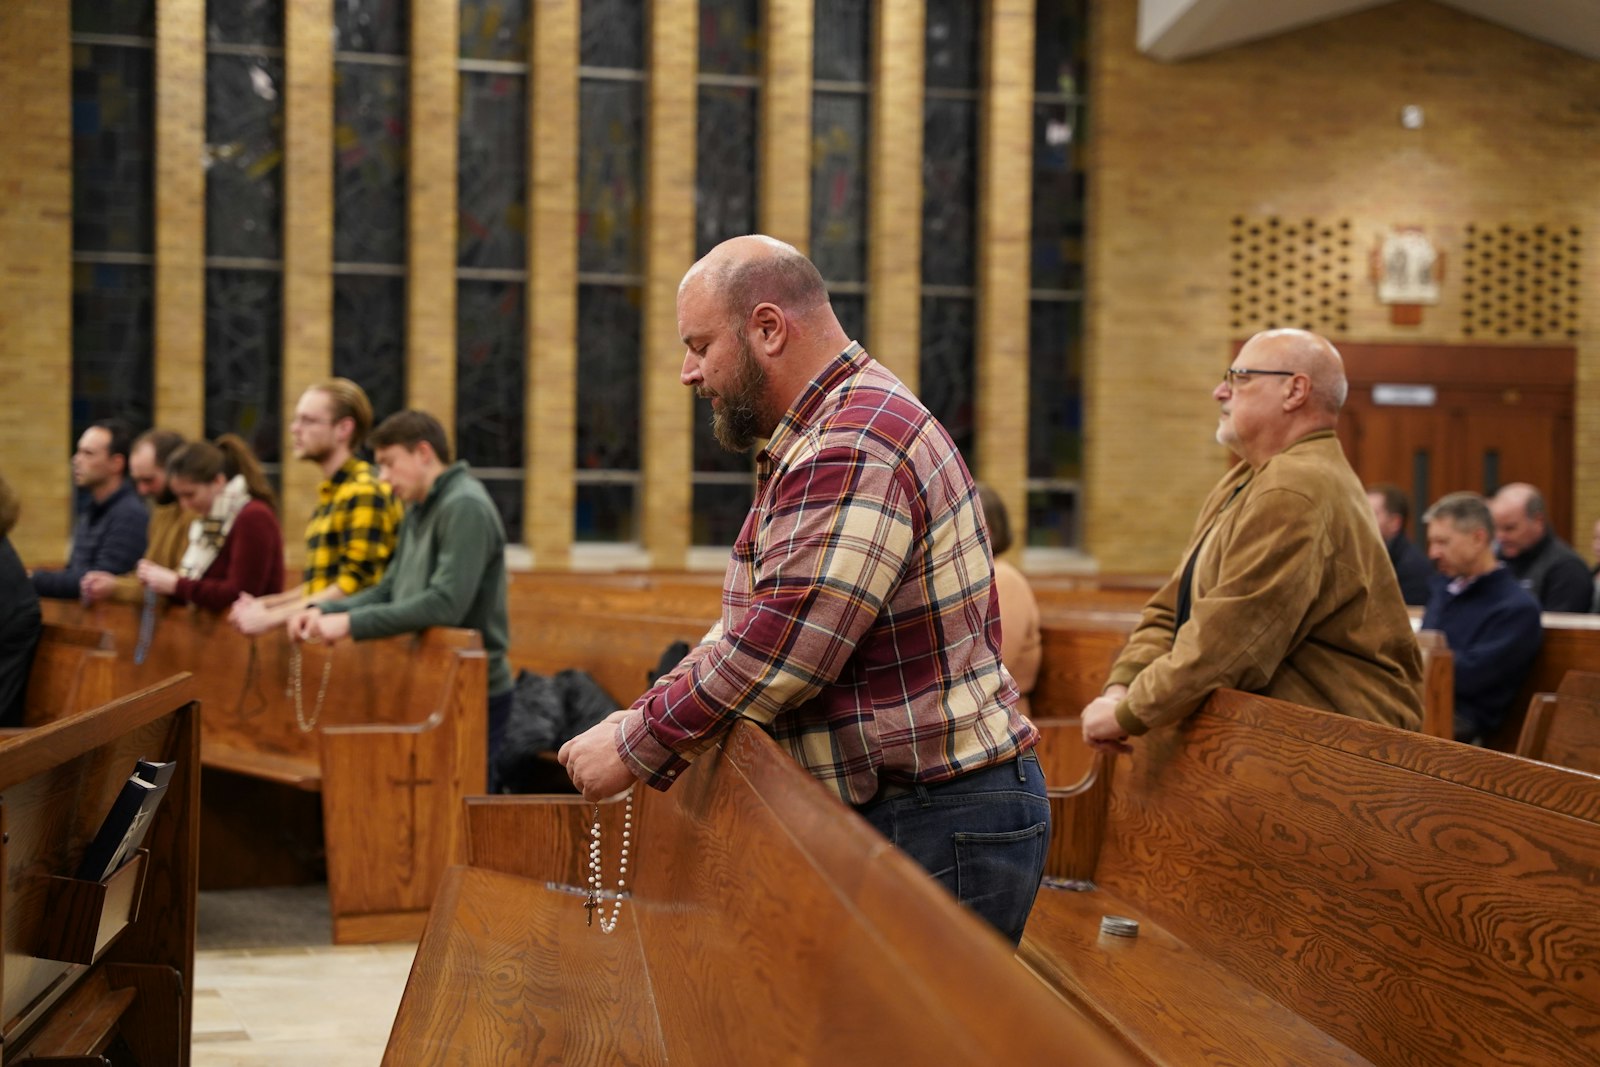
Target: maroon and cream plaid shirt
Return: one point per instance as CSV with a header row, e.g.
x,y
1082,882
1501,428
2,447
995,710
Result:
x,y
860,623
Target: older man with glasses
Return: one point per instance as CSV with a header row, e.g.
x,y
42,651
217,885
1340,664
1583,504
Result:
x,y
1285,588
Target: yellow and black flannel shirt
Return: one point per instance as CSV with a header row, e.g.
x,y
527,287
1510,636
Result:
x,y
352,533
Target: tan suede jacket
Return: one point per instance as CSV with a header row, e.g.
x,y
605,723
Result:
x,y
168,537
1294,597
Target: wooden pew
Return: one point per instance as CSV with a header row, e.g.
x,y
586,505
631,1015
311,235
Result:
x,y
377,781
1564,727
1438,685
1316,889
89,964
767,924
73,669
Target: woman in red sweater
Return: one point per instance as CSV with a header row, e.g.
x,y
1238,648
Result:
x,y
236,546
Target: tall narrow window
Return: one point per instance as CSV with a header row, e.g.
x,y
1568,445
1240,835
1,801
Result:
x,y
611,82
1055,319
369,189
949,217
725,206
244,224
492,256
840,105
113,212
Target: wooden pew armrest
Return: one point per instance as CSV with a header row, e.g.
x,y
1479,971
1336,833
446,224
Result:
x,y
1171,1003
1078,820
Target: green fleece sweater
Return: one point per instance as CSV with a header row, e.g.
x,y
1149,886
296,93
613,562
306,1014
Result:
x,y
449,569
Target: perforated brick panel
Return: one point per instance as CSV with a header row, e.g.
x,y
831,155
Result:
x,y
1520,282
1290,272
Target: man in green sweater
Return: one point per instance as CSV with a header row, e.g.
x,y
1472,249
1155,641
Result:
x,y
448,568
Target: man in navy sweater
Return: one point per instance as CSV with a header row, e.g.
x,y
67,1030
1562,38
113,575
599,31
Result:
x,y
111,531
1491,622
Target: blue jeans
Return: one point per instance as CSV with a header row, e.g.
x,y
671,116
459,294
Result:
x,y
983,836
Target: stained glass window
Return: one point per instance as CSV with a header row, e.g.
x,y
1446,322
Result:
x,y
1058,198
244,147
257,22
369,163
613,34
370,26
719,511
1055,327
369,338
495,29
953,44
725,165
489,390
610,161
132,18
842,39
947,371
493,186
605,512
851,310
112,358
608,378
112,148
949,199
244,315
489,378
839,186
730,37
113,212
1055,377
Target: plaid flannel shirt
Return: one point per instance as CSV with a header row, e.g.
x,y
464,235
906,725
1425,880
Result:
x,y
352,532
860,623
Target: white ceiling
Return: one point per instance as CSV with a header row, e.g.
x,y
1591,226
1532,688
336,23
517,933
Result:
x,y
1179,29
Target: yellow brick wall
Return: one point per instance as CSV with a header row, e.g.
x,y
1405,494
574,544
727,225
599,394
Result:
x,y
1305,125
36,273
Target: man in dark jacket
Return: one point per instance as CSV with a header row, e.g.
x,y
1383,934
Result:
x,y
1416,574
111,531
1491,622
1545,565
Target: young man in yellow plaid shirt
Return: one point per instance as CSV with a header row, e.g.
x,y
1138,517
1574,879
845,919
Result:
x,y
352,532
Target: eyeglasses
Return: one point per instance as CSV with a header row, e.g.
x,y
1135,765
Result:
x,y
1234,375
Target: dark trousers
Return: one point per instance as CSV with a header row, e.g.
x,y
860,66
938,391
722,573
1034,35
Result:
x,y
499,715
983,836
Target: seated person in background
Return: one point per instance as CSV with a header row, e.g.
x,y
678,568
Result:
x,y
449,567
235,546
110,534
168,532
19,616
1545,565
1416,574
1020,644
352,532
1491,622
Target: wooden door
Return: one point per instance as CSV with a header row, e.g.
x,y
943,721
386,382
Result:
x,y
1497,415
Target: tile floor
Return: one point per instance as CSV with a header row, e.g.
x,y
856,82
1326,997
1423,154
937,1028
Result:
x,y
270,988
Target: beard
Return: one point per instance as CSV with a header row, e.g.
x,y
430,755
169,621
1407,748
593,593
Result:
x,y
737,421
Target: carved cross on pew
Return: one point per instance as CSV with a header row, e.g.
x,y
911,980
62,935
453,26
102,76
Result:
x,y
411,783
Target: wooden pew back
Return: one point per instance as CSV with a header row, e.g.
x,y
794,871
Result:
x,y
400,738
1418,900
57,782
73,670
1564,727
768,924
1438,684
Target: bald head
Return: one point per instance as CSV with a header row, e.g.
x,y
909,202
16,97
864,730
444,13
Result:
x,y
1312,355
1519,518
755,269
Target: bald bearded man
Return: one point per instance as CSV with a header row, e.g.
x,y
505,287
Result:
x,y
860,623
1286,589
